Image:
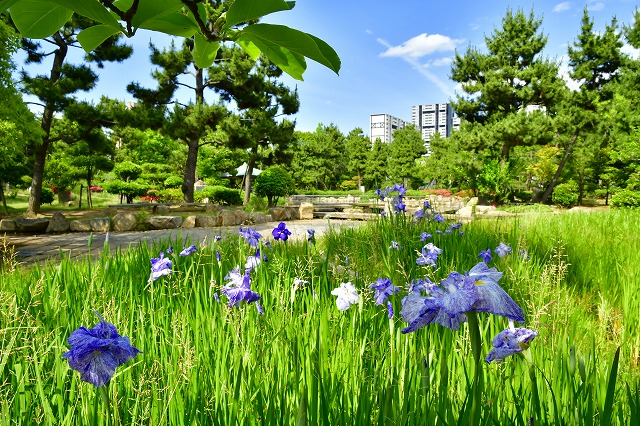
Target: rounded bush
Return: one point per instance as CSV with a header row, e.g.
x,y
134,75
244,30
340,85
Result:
x,y
273,182
46,196
565,194
626,198
220,195
173,181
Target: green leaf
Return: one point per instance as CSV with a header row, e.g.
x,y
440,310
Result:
x,y
250,48
175,24
245,10
204,52
6,4
153,10
92,37
296,41
92,9
288,61
607,410
39,18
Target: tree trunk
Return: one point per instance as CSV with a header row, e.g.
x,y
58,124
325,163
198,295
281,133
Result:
x,y
247,180
4,200
89,200
565,157
190,171
47,119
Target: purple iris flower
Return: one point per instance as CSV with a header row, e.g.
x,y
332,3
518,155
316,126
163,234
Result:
x,y
281,232
429,255
418,214
311,237
438,218
425,236
96,353
383,289
238,290
217,237
485,255
394,245
160,266
502,250
189,250
509,342
218,257
399,206
427,204
522,254
400,189
447,302
170,250
389,309
251,235
383,214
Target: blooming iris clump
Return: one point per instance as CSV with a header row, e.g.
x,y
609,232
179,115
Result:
x,y
189,250
160,266
238,290
397,200
383,289
485,255
502,250
281,232
96,353
425,236
251,235
429,255
447,302
509,342
438,218
347,296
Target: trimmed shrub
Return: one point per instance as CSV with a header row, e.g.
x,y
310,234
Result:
x,y
626,198
46,196
170,195
565,194
274,182
173,181
220,195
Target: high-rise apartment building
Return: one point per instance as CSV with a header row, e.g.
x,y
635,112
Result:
x,y
382,127
430,119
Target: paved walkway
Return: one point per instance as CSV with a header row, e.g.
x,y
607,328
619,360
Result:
x,y
38,249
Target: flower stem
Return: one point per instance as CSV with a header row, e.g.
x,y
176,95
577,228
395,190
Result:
x,y
476,350
104,394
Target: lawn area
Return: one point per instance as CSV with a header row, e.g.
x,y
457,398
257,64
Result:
x,y
304,361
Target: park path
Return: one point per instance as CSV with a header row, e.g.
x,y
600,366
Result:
x,y
42,248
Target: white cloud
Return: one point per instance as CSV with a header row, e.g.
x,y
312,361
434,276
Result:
x,y
422,45
422,69
439,62
595,6
563,70
368,31
631,51
562,7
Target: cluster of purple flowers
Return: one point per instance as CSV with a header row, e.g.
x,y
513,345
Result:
x,y
250,235
383,288
281,232
160,266
396,193
429,255
238,289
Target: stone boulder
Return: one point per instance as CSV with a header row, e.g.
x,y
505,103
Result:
x,y
58,223
123,222
189,222
160,209
100,224
257,217
35,226
208,221
164,222
280,214
306,211
80,225
8,225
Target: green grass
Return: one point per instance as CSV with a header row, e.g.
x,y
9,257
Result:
x,y
18,204
305,362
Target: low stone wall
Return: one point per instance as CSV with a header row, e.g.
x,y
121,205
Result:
x,y
133,221
440,203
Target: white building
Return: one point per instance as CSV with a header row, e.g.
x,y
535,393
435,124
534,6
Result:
x,y
382,126
430,119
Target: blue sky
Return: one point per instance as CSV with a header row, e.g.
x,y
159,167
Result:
x,y
394,54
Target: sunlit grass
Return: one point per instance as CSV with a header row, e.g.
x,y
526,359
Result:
x,y
304,361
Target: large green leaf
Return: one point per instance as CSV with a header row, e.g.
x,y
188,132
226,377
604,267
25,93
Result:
x,y
92,37
250,48
6,4
204,52
92,9
174,24
245,10
39,18
296,41
288,61
149,10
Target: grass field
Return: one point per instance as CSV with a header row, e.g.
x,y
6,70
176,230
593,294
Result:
x,y
306,362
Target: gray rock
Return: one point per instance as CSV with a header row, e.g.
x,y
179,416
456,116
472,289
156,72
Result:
x,y
211,208
229,218
208,221
100,224
189,222
80,225
161,209
466,211
165,222
473,201
257,217
35,226
58,223
280,214
123,222
8,225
